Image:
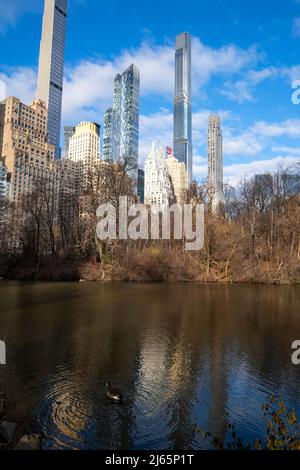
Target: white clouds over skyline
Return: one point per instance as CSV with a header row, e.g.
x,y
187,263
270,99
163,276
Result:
x,y
88,92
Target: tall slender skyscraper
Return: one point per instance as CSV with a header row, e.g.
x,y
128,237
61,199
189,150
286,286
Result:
x,y
183,149
121,122
215,163
51,66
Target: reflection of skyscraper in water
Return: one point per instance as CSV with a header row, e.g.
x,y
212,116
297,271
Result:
x,y
121,122
183,149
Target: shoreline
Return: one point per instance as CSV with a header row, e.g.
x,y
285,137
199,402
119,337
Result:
x,y
155,267
154,282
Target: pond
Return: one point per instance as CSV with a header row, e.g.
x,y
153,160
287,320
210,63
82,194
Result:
x,y
183,356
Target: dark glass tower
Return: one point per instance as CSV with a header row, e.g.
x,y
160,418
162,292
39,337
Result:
x,y
183,149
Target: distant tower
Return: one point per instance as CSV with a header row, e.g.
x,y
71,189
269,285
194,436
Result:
x,y
215,163
51,66
183,149
69,131
84,149
4,193
141,185
121,122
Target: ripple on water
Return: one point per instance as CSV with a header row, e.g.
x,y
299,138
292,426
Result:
x,y
65,417
70,419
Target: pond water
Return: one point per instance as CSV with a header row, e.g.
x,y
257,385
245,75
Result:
x,y
183,355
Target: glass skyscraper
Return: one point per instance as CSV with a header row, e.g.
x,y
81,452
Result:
x,y
121,122
183,149
111,135
51,66
141,185
3,183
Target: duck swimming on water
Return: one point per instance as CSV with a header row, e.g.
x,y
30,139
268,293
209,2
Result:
x,y
113,394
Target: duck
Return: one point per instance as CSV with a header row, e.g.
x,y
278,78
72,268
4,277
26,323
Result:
x,y
113,394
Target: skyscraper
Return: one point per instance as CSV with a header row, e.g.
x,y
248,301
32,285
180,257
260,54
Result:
x,y
51,66
141,185
4,192
183,149
84,149
69,131
111,136
121,122
3,184
215,163
24,146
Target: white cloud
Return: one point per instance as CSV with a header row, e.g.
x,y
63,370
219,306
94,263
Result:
x,y
20,82
227,60
89,84
234,173
243,90
290,128
243,145
239,91
13,10
287,150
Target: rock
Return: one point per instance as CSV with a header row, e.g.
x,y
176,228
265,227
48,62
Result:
x,y
29,442
2,406
7,432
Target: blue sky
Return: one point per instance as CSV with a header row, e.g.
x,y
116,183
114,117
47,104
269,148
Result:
x,y
245,56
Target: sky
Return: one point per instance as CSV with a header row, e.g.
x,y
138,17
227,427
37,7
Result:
x,y
245,55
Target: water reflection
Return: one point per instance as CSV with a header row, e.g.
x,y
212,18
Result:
x,y
183,356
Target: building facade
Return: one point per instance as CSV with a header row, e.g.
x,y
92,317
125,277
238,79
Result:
x,y
215,195
121,126
84,149
51,66
24,146
4,193
291,183
111,133
68,186
183,149
141,186
179,179
158,189
69,131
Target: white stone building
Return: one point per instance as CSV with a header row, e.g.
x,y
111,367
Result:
x,y
158,188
